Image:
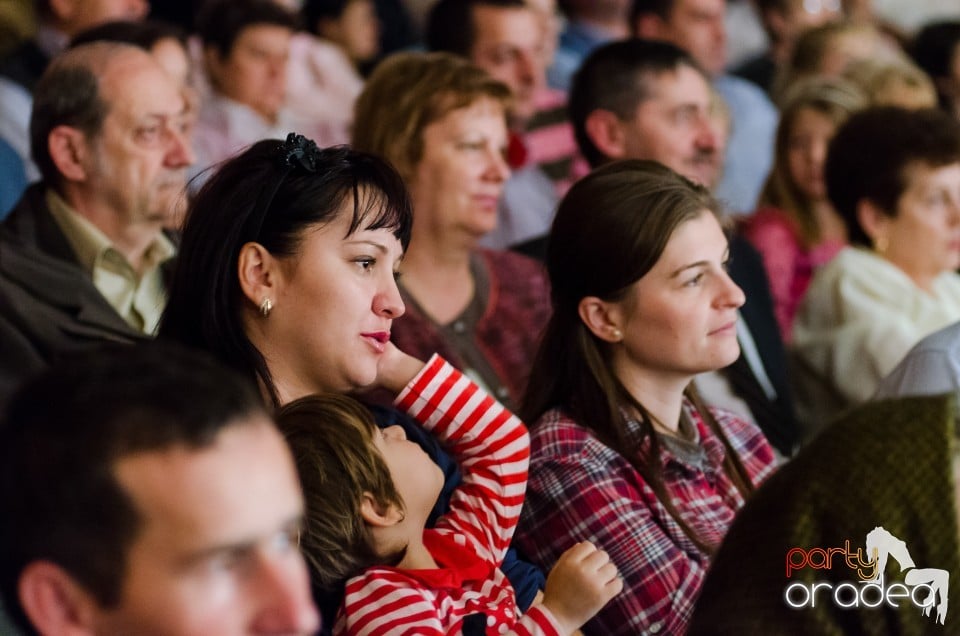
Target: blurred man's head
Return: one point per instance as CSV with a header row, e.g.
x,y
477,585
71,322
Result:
x,y
246,45
696,26
153,495
503,37
73,16
640,99
107,132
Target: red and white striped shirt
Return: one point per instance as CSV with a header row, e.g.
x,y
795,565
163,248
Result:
x,y
468,592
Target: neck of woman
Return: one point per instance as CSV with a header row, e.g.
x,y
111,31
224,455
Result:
x,y
439,277
660,394
829,222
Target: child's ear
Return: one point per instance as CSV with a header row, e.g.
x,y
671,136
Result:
x,y
377,515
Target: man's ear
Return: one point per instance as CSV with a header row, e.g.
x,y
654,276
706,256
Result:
x,y
606,132
603,319
377,515
649,26
54,602
874,222
259,274
69,151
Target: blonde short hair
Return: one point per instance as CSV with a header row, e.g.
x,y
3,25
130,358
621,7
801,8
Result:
x,y
409,91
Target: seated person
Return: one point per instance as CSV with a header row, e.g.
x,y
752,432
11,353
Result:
x,y
624,454
935,49
153,496
442,123
370,491
887,468
893,175
796,230
246,44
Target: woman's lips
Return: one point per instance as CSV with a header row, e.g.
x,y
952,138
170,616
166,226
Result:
x,y
729,328
377,339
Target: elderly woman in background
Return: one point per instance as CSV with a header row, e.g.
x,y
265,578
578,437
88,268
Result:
x,y
894,177
624,453
796,229
442,123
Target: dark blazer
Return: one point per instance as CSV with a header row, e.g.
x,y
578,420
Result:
x,y
48,304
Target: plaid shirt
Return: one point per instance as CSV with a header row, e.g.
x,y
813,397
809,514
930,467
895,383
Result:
x,y
580,489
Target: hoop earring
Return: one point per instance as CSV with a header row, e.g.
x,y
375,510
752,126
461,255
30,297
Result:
x,y
265,306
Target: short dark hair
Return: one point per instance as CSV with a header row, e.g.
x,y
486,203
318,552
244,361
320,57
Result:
x,y
315,10
68,94
61,436
869,157
450,24
220,22
257,196
143,34
660,8
933,50
617,77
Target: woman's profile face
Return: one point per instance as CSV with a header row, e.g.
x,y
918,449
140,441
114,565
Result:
x,y
810,135
335,303
457,184
680,318
923,238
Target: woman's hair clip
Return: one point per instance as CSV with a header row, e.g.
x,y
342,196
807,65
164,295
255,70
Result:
x,y
298,151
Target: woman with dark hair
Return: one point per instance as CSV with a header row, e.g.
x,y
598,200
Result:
x,y
624,454
287,272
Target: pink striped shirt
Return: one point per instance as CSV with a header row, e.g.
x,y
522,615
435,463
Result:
x,y
469,542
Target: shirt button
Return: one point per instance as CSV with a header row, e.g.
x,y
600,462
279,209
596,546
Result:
x,y
655,628
459,327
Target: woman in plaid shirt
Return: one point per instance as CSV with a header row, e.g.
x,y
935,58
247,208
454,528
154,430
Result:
x,y
624,454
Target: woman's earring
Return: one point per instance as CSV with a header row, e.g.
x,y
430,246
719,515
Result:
x,y
881,244
617,334
265,306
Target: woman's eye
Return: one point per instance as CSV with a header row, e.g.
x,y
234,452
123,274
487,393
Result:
x,y
696,280
366,263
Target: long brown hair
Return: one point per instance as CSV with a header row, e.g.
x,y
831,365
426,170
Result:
x,y
610,230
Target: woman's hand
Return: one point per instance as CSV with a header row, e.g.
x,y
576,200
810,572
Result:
x,y
396,369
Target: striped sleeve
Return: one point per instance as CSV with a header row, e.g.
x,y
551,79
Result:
x,y
490,444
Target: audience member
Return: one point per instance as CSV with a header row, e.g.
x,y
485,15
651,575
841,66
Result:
x,y
83,256
894,82
796,229
894,177
784,21
14,180
623,452
351,25
441,122
287,273
697,26
21,69
504,38
643,99
889,466
145,490
322,80
932,367
246,44
369,493
589,24
936,49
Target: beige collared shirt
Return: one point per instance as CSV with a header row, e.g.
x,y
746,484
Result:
x,y
138,298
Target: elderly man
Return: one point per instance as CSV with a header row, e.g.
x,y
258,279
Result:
x,y
83,255
697,26
506,39
152,496
641,99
